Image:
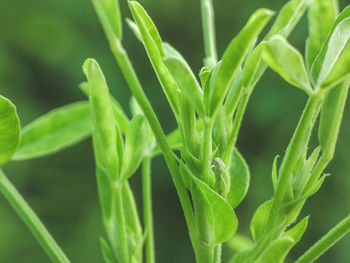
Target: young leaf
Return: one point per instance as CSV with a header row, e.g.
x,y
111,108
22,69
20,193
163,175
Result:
x,y
285,60
331,116
332,48
104,126
260,220
321,16
298,230
109,14
240,177
203,75
134,28
106,251
9,130
153,45
184,77
276,251
274,173
135,146
242,256
222,218
234,56
54,131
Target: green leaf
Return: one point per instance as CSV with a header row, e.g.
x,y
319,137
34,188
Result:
x,y
9,130
108,12
260,220
276,251
104,126
242,256
134,28
331,116
240,177
185,78
106,251
221,217
54,131
288,17
321,16
135,146
153,45
285,60
203,75
332,48
298,230
234,56
240,242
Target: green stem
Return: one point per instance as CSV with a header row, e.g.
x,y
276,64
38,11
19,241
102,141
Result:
x,y
31,220
217,253
136,88
207,149
147,210
209,33
326,242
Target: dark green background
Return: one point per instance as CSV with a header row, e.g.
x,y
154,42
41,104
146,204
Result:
x,y
42,47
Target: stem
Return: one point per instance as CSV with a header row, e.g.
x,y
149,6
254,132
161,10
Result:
x,y
217,253
136,88
209,33
326,242
147,210
121,224
31,220
207,149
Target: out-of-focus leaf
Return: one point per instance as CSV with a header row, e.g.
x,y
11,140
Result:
x,y
106,251
221,217
234,56
276,251
259,220
134,29
321,16
285,60
274,174
332,48
9,130
240,177
135,146
185,78
104,126
242,256
153,45
109,14
240,242
55,131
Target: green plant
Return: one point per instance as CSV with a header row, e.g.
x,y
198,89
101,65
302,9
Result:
x,y
210,175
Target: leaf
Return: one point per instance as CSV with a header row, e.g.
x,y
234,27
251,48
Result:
x,y
155,52
298,230
203,75
321,16
185,78
285,60
106,251
108,12
240,177
9,130
276,251
331,115
240,242
54,131
242,256
104,126
260,220
134,28
332,48
274,173
135,146
221,217
288,17
234,56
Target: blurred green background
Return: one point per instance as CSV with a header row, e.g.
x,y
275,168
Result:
x,y
42,47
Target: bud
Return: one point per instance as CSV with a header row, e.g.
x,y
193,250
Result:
x,y
223,179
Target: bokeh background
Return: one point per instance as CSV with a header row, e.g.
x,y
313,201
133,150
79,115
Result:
x,y
42,47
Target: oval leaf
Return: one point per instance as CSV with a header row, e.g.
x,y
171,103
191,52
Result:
x,y
260,219
240,177
234,56
54,131
222,218
277,251
285,60
135,146
9,130
104,126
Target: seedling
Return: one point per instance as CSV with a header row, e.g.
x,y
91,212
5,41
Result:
x,y
209,173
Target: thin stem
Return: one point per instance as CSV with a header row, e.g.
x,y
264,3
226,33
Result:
x,y
147,210
326,242
136,88
31,220
217,253
209,33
